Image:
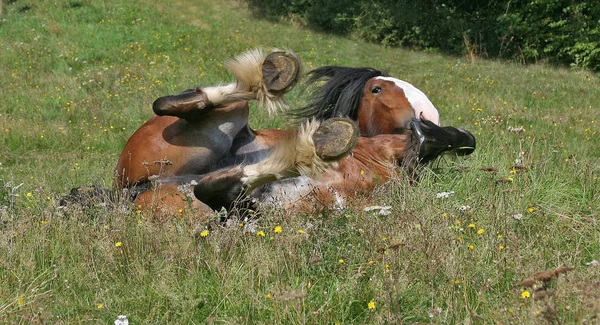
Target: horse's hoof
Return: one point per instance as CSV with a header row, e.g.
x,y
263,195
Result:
x,y
281,71
184,105
335,138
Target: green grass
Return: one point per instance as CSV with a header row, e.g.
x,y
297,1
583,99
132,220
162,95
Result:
x,y
78,77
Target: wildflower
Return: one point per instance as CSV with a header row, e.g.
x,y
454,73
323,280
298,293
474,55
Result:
x,y
362,172
510,179
277,229
204,233
268,295
121,320
471,247
525,294
300,231
464,208
371,305
517,216
371,263
20,300
341,261
100,306
28,194
456,282
472,225
531,209
260,233
118,244
500,247
444,195
480,231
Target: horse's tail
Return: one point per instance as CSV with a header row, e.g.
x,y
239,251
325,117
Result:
x,y
261,76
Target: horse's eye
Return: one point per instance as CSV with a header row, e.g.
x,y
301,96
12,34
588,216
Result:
x,y
376,90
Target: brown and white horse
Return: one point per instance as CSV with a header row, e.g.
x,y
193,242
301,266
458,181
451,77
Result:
x,y
202,137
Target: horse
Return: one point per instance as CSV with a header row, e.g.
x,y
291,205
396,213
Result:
x,y
199,151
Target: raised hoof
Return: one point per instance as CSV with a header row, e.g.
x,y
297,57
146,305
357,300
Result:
x,y
335,138
186,104
280,71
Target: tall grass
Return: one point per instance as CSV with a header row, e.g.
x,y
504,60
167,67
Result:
x,y
78,77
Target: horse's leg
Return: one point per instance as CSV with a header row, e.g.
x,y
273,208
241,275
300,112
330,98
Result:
x,y
433,140
311,152
265,78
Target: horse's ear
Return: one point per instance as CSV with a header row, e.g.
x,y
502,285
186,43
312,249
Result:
x,y
188,104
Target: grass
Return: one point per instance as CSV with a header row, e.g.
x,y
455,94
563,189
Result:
x,y
78,77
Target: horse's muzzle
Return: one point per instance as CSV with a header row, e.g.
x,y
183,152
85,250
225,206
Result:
x,y
433,140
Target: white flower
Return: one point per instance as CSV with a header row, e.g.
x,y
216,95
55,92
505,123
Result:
x,y
593,263
379,209
444,195
517,216
122,320
464,208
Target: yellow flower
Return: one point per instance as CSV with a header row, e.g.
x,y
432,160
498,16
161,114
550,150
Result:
x,y
513,171
472,225
118,244
457,282
362,172
525,294
471,246
268,295
100,306
277,229
341,261
371,305
20,300
530,210
28,194
204,233
260,233
480,231
371,263
500,247
300,231
510,179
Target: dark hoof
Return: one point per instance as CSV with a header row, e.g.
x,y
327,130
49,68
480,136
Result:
x,y
187,104
335,138
280,71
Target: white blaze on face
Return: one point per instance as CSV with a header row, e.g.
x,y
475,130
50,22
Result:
x,y
422,106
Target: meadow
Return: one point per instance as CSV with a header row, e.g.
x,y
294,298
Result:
x,y
507,235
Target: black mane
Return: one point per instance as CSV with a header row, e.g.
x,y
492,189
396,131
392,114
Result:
x,y
341,94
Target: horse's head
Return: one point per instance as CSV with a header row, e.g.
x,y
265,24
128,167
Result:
x,y
380,104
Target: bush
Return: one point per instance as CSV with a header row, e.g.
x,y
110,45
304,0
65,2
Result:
x,y
561,31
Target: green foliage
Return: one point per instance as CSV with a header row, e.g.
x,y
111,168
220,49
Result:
x,y
561,31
